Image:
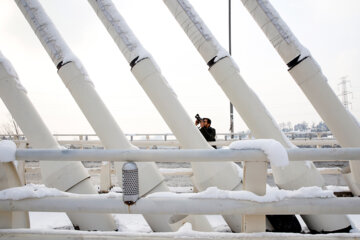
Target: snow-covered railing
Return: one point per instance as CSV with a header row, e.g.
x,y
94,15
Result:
x,y
255,201
310,200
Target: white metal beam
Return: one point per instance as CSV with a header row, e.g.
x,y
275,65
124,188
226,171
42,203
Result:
x,y
170,205
194,155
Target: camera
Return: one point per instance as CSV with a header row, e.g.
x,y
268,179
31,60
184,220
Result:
x,y
197,116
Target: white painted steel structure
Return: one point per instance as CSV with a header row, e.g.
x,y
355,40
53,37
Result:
x,y
170,205
8,174
186,155
148,74
75,235
258,119
82,89
66,176
227,75
308,75
150,78
166,205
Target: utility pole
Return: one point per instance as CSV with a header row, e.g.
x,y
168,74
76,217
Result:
x,y
231,105
344,92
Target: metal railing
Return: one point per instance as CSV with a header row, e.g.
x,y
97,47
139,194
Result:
x,y
170,205
158,140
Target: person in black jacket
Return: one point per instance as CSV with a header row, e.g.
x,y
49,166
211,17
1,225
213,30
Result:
x,y
206,130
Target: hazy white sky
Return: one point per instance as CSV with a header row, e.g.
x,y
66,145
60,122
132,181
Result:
x,y
328,28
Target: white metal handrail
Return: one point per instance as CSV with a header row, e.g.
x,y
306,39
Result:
x,y
254,181
188,155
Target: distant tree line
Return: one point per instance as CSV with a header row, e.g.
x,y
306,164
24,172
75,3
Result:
x,y
304,127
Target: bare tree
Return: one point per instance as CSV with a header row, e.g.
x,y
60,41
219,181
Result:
x,y
11,128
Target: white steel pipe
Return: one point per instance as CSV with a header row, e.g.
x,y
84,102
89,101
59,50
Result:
x,y
63,175
170,205
258,119
193,155
71,235
146,71
308,75
8,174
82,89
227,75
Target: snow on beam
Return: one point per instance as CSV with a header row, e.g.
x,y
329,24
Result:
x,y
170,205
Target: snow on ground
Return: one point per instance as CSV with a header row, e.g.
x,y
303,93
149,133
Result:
x,y
131,223
49,220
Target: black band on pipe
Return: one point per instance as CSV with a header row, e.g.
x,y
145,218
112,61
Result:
x,y
295,62
60,64
211,62
133,62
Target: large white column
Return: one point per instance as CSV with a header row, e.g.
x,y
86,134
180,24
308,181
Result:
x,y
308,75
9,178
258,119
66,176
161,94
146,71
82,89
62,175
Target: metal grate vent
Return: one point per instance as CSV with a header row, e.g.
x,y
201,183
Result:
x,y
130,183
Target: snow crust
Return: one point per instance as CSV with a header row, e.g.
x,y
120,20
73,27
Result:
x,y
30,191
7,151
11,72
275,152
273,194
204,31
46,31
282,27
49,36
130,45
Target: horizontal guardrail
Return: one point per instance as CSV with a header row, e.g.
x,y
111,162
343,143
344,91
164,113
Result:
x,y
186,155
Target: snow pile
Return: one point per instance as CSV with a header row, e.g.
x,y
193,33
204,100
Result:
x,y
273,194
7,151
11,71
30,191
274,151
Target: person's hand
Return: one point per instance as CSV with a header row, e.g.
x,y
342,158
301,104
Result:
x,y
196,122
202,124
